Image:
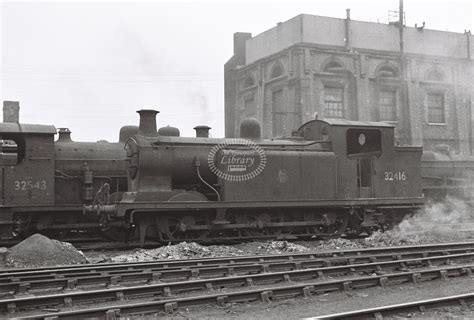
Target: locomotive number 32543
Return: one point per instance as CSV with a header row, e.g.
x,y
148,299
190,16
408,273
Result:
x,y
395,176
23,185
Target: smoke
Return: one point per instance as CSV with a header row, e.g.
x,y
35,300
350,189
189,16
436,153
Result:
x,y
438,218
449,220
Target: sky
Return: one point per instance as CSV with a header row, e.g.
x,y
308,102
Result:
x,y
90,65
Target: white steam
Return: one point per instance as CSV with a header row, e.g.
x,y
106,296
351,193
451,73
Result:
x,y
450,220
438,218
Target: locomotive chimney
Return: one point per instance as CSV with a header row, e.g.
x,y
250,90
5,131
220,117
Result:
x,y
147,125
202,131
64,135
11,111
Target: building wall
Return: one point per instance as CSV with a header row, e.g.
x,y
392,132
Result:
x,y
305,68
364,35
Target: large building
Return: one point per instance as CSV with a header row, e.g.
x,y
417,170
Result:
x,y
312,66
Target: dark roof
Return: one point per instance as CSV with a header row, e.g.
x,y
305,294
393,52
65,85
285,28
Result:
x,y
351,123
11,127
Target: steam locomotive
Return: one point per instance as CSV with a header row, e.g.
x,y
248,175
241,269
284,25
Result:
x,y
330,178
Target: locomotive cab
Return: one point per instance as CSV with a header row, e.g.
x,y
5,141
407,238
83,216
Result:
x,y
27,170
27,164
369,164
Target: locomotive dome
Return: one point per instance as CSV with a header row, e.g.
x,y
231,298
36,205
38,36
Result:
x,y
250,128
169,131
126,132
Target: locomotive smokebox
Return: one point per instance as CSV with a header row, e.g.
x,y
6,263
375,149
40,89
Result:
x,y
64,135
250,129
202,131
147,127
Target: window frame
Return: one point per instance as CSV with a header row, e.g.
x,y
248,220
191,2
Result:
x,y
394,105
327,110
442,94
245,99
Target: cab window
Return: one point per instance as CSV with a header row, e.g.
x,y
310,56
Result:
x,y
364,143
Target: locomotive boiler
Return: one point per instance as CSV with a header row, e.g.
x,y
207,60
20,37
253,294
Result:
x,y
332,177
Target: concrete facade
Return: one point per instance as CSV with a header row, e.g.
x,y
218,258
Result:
x,y
340,68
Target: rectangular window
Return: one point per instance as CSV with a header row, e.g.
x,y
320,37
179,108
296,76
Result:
x,y
333,103
435,108
388,106
249,107
279,114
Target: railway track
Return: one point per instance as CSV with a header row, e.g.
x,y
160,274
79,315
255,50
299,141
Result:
x,y
18,284
390,310
167,304
170,285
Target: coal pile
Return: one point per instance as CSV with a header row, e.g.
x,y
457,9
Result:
x,y
276,247
40,251
183,250
395,238
339,243
192,250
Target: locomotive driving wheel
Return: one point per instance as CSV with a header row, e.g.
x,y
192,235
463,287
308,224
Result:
x,y
332,224
22,225
178,228
257,224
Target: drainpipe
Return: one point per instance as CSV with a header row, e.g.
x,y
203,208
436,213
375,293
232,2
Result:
x,y
347,21
468,41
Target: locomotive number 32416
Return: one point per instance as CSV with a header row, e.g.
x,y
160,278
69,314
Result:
x,y
395,176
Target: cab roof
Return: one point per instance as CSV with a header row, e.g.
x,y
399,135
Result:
x,y
12,127
351,123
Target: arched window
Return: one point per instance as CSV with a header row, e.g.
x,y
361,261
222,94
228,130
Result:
x,y
12,150
277,71
249,82
387,72
333,66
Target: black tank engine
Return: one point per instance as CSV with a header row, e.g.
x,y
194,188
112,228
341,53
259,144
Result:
x,y
330,178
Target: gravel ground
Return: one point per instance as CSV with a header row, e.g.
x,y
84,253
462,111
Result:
x,y
191,250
